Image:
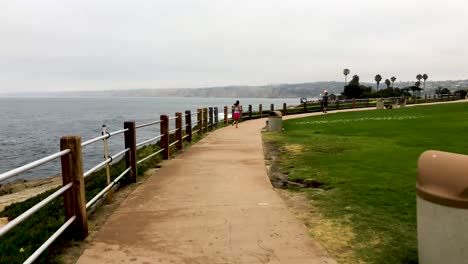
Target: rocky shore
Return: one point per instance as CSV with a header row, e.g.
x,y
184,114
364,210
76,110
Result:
x,y
21,190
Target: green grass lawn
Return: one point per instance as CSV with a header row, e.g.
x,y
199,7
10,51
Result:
x,y
368,163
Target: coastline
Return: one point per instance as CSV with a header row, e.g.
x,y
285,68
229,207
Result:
x,y
21,190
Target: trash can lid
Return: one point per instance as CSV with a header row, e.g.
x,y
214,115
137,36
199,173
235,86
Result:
x,y
275,113
443,178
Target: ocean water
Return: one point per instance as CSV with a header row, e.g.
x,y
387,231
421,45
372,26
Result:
x,y
31,128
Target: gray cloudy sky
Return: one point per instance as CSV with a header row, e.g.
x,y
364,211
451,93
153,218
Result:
x,y
108,44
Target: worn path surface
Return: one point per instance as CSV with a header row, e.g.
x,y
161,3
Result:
x,y
211,204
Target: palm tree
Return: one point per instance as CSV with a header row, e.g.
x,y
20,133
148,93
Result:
x,y
425,78
345,72
393,81
419,77
378,78
387,82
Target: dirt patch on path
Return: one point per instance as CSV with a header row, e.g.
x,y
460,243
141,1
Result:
x,y
336,238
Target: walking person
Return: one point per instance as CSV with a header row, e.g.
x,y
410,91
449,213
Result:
x,y
236,113
325,102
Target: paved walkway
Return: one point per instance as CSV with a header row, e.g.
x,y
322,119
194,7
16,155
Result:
x,y
212,204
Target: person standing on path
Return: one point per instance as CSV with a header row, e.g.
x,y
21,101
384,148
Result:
x,y
325,102
236,113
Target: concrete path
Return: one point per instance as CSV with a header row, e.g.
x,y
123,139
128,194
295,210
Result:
x,y
211,204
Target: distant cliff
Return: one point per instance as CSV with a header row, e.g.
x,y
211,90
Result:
x,y
299,90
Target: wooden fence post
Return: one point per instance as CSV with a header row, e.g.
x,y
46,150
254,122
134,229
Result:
x,y
272,107
205,120
260,110
72,171
225,115
130,156
210,114
354,103
285,109
200,121
216,116
164,142
179,134
250,112
188,125
338,104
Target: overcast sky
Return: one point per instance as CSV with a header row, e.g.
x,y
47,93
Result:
x,y
108,44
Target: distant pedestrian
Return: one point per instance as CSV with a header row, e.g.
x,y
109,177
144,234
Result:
x,y
325,102
236,113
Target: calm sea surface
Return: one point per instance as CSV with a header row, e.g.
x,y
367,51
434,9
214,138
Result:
x,y
31,128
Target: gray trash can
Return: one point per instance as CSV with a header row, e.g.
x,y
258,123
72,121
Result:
x,y
442,208
275,121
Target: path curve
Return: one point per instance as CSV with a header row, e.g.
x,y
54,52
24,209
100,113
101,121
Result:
x,y
211,204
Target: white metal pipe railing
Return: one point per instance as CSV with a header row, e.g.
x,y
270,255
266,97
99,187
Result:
x,y
120,153
97,167
32,165
149,140
63,189
150,156
49,241
33,209
173,143
91,141
118,132
108,135
101,193
100,165
149,124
